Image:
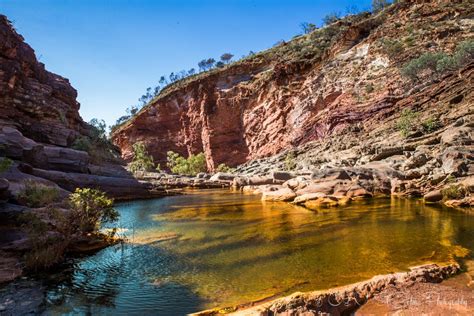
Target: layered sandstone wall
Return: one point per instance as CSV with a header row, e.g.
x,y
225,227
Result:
x,y
40,104
267,103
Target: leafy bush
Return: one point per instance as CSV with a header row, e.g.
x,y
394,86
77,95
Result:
x,y
96,144
142,161
90,209
454,192
191,166
369,88
224,168
290,163
331,18
406,121
464,52
308,27
379,5
439,62
427,61
5,164
50,238
430,125
47,248
392,47
37,195
82,143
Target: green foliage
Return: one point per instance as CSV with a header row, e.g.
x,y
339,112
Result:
x,y
369,88
37,195
142,161
191,166
440,63
392,48
52,231
331,18
379,5
427,61
454,192
90,209
82,143
224,168
5,164
290,161
47,248
96,144
308,27
406,121
430,125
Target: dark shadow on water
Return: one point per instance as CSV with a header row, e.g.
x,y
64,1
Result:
x,y
111,283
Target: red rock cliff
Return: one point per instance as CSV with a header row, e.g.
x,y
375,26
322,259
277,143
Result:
x,y
40,104
314,86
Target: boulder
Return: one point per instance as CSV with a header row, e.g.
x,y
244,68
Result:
x,y
326,187
221,176
281,175
462,135
322,202
454,161
110,170
433,196
283,194
203,175
468,183
307,197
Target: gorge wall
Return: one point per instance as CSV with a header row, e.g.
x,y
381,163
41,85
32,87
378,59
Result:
x,y
40,104
343,77
39,123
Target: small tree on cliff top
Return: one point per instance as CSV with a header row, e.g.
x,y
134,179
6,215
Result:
x,y
226,57
142,161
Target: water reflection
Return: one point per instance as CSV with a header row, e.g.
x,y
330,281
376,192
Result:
x,y
215,248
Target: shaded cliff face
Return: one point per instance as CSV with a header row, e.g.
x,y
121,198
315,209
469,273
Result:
x,y
308,89
40,104
39,121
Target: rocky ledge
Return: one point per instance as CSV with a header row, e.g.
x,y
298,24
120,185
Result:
x,y
343,300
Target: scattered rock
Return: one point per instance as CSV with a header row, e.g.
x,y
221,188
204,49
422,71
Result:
x,y
283,194
433,196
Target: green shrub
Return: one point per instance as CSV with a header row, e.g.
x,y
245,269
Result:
x,y
51,234
430,125
290,163
224,168
440,63
406,121
47,247
142,161
96,144
90,209
454,192
427,61
392,48
331,18
82,143
191,166
379,5
5,164
369,88
37,195
464,53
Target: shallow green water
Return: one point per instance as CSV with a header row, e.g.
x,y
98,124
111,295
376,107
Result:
x,y
217,248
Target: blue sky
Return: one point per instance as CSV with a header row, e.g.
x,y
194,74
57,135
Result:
x,y
112,50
